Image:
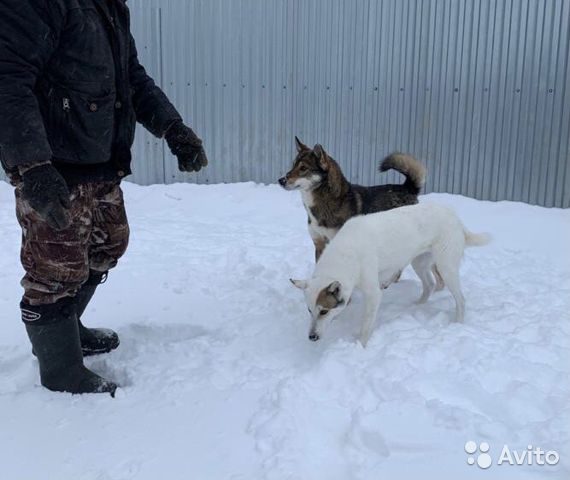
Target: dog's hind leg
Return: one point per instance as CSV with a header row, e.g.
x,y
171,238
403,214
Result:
x,y
447,263
421,265
439,283
396,277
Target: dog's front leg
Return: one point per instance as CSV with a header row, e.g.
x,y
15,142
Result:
x,y
320,244
372,299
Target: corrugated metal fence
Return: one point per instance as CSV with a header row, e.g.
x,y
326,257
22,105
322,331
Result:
x,y
477,89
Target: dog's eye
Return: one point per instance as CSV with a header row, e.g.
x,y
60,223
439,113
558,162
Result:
x,y
302,168
322,313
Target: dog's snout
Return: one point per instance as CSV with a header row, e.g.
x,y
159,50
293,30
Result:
x,y
282,181
313,337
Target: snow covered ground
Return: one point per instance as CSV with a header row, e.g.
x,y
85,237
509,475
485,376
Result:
x,y
220,381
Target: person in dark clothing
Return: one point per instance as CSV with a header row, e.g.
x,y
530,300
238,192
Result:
x,y
71,92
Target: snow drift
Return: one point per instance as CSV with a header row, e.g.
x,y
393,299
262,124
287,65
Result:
x,y
220,382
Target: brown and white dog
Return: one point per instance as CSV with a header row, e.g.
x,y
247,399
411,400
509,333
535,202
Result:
x,y
330,199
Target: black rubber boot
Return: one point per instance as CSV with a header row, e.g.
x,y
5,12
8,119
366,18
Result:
x,y
54,334
93,340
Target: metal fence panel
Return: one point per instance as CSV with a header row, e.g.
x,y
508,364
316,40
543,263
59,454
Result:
x,y
476,89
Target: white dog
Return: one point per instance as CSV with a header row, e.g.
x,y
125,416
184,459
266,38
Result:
x,y
370,250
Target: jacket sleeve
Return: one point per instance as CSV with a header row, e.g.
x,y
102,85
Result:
x,y
28,36
152,107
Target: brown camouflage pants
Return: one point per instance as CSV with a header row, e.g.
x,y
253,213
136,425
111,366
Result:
x,y
57,263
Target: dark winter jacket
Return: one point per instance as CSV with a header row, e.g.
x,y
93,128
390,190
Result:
x,y
71,86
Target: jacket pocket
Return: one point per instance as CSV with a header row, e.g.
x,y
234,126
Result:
x,y
80,127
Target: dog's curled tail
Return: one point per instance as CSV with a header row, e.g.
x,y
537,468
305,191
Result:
x,y
407,165
476,239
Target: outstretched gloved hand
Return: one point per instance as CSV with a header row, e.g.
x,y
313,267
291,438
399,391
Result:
x,y
187,147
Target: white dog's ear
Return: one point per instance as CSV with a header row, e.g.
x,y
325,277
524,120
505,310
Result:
x,y
300,145
335,289
300,284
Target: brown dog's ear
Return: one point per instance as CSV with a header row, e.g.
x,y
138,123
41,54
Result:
x,y
323,157
335,179
301,147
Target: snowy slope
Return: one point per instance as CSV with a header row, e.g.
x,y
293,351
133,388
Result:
x,y
220,381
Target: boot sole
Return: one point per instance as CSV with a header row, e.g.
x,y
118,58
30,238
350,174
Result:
x,y
91,352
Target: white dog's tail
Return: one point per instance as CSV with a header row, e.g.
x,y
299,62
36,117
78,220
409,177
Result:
x,y
476,239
